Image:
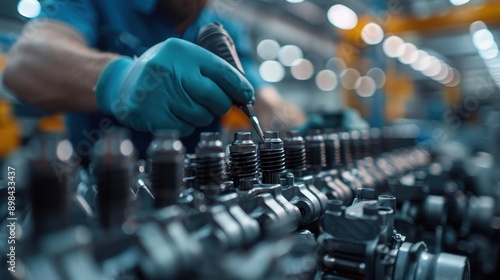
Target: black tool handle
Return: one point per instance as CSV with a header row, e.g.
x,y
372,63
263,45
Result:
x,y
215,38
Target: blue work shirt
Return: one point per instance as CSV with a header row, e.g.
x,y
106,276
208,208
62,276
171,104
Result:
x,y
130,27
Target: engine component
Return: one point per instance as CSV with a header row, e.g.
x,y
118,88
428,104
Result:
x,y
243,156
210,166
360,242
112,158
272,158
166,159
178,216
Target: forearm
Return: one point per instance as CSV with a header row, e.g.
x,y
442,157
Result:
x,y
54,70
274,112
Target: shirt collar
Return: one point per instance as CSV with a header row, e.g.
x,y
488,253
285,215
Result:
x,y
144,6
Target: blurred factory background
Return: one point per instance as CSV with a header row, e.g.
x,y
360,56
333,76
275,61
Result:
x,y
389,59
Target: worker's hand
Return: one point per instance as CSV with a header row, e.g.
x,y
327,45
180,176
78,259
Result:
x,y
175,85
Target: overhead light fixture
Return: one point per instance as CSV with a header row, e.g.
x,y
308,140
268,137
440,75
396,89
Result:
x,y
378,75
336,64
365,86
445,69
459,2
422,62
493,63
29,8
433,69
426,64
405,52
64,150
483,39
272,71
486,47
268,49
348,78
342,17
326,80
288,54
372,33
489,53
455,79
391,46
294,1
477,25
302,69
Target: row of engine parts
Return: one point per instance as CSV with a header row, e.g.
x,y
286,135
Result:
x,y
368,204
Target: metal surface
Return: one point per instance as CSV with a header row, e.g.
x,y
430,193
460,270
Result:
x,y
272,158
243,156
259,229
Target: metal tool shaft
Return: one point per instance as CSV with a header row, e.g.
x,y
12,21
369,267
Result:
x,y
215,38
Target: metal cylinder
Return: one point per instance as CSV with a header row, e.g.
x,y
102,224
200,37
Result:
x,y
272,158
243,157
315,151
210,165
366,145
295,153
355,144
111,159
48,190
166,159
345,148
332,151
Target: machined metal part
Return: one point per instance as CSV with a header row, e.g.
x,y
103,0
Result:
x,y
243,157
166,160
315,151
210,165
272,158
112,159
179,216
299,195
295,153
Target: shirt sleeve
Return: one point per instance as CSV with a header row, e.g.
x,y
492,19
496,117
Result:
x,y
79,14
244,47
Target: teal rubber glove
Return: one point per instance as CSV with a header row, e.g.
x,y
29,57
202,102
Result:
x,y
173,85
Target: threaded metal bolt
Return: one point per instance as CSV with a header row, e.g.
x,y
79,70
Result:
x,y
315,151
345,148
243,156
332,151
366,145
272,158
355,145
295,153
210,165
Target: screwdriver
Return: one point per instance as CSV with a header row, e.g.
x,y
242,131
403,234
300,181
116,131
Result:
x,y
215,38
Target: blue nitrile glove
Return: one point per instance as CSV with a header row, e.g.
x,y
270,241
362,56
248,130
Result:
x,y
174,85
